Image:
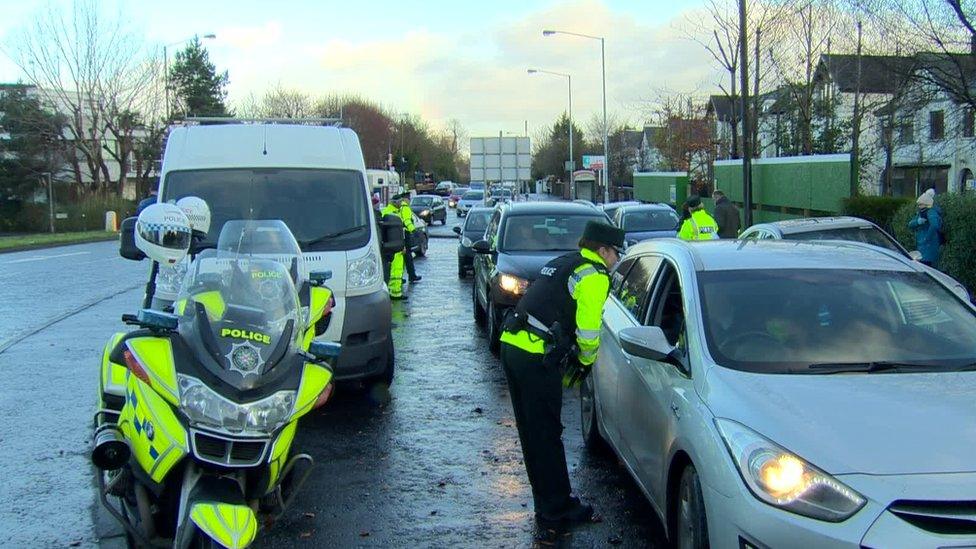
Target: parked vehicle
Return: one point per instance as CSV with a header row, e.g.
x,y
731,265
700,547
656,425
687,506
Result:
x,y
519,240
849,228
646,221
772,394
470,231
430,208
198,408
474,198
455,196
611,207
314,179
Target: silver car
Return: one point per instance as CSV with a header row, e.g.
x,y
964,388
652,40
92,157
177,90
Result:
x,y
789,394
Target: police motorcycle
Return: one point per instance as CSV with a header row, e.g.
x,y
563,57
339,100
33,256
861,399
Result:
x,y
198,407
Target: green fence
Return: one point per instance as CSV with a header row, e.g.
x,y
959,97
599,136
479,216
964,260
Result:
x,y
789,187
667,187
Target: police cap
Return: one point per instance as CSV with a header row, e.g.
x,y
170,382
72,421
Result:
x,y
605,234
693,201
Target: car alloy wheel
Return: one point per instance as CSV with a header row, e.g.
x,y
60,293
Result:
x,y
589,423
479,313
691,529
494,329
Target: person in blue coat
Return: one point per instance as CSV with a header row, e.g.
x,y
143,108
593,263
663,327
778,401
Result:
x,y
926,224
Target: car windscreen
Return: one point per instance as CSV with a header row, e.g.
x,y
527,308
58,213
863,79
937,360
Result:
x,y
868,235
443,186
473,195
650,220
476,223
544,232
799,321
324,209
501,192
422,201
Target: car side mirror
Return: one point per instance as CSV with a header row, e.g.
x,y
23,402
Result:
x,y
646,342
457,229
324,350
127,240
481,247
915,255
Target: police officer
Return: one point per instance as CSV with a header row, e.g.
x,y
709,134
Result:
x,y
697,224
407,215
551,341
394,273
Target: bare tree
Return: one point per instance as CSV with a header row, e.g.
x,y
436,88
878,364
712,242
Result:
x,y
281,102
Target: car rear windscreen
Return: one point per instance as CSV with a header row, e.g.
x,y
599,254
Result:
x,y
324,209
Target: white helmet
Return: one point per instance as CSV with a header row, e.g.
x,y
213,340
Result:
x,y
163,233
197,211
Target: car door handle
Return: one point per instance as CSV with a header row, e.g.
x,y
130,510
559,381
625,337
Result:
x,y
675,410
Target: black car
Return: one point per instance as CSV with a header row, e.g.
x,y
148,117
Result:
x,y
430,208
471,230
519,240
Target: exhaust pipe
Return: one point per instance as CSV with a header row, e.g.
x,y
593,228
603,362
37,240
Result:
x,y
111,451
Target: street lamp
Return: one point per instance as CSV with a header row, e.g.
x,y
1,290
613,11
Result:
x,y
209,36
569,82
606,137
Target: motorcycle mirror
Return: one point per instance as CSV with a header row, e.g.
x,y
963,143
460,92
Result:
x,y
319,277
127,241
157,319
323,350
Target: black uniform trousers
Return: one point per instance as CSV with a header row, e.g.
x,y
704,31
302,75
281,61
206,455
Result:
x,y
408,257
537,399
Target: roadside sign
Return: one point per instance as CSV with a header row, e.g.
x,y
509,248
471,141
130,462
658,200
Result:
x,y
593,162
60,216
673,193
569,165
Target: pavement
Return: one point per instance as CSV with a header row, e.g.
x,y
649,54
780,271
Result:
x,y
435,462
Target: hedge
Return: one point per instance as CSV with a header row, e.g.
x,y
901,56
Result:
x,y
958,258
880,210
85,215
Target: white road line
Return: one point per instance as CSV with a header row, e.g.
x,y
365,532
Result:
x,y
41,258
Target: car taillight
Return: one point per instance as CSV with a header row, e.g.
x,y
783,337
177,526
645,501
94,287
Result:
x,y
133,364
324,396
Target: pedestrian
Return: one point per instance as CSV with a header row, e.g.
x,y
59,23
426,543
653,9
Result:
x,y
551,342
726,216
698,225
149,200
407,215
927,225
394,272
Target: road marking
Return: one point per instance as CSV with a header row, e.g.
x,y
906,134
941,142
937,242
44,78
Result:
x,y
42,258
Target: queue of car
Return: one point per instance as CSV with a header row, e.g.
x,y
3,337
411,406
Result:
x,y
764,393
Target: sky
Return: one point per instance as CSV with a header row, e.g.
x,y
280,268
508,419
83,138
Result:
x,y
443,60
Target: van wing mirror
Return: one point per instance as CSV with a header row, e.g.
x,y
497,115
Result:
x,y
646,342
127,240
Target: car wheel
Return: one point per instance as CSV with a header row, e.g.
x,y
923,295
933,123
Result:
x,y
590,422
462,272
690,529
422,248
494,330
479,313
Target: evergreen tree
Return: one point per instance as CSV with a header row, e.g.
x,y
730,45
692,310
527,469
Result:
x,y
196,83
33,144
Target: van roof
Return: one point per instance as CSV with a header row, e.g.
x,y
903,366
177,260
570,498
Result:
x,y
262,146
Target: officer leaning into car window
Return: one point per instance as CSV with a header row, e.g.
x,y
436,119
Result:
x,y
407,215
551,341
394,272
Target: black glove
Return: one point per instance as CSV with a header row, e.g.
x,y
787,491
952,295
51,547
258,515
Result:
x,y
575,373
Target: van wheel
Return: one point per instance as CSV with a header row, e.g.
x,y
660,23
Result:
x,y
689,527
479,313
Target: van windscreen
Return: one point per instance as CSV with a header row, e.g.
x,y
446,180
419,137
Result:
x,y
325,209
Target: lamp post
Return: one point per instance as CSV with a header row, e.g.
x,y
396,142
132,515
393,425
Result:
x,y
606,130
569,85
209,36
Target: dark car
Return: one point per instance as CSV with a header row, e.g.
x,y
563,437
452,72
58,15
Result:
x,y
455,197
611,207
471,230
430,208
646,221
519,240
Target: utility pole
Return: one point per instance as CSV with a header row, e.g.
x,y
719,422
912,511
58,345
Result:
x,y
50,199
746,141
856,126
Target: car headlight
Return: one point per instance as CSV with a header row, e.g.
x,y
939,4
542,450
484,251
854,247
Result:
x,y
203,406
362,273
784,480
513,284
451,203
466,242
424,213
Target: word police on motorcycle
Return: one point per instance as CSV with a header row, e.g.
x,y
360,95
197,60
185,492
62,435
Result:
x,y
245,334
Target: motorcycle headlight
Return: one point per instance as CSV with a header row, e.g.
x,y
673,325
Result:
x,y
782,479
362,273
203,406
513,284
466,242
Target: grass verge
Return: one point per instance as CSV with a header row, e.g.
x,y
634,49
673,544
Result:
x,y
13,243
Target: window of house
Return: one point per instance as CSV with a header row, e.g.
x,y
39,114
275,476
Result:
x,y
968,122
936,125
906,131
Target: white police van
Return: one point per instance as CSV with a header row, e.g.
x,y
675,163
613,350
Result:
x,y
314,179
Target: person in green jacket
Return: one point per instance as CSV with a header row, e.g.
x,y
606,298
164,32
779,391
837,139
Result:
x,y
394,274
407,215
698,225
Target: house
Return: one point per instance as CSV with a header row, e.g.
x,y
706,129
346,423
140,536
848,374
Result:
x,y
723,113
651,158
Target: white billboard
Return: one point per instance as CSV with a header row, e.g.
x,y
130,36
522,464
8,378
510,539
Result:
x,y
501,159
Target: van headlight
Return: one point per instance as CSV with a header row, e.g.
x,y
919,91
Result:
x,y
203,406
783,479
362,273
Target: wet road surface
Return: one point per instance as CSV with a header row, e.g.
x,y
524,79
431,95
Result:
x,y
433,463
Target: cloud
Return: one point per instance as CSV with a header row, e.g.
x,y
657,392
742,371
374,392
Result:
x,y
479,77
